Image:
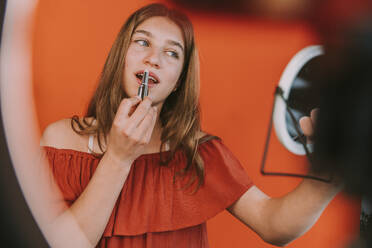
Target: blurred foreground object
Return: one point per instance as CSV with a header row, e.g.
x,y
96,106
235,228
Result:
x,y
343,138
343,134
332,18
327,16
22,139
285,9
18,228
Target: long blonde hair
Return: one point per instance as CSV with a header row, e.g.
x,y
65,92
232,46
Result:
x,y
180,114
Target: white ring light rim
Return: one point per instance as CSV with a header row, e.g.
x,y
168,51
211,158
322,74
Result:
x,y
289,75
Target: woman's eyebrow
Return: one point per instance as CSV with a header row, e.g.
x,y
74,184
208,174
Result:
x,y
149,34
175,43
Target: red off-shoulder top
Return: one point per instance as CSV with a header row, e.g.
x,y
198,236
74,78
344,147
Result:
x,y
153,210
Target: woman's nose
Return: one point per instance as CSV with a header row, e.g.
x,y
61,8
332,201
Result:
x,y
153,58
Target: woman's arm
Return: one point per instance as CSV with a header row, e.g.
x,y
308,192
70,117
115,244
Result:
x,y
83,223
127,138
281,220
93,207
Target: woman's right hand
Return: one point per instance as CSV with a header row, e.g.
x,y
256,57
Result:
x,y
130,132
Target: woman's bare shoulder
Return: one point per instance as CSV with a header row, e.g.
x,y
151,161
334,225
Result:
x,y
201,134
60,135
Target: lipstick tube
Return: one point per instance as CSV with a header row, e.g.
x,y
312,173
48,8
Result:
x,y
143,89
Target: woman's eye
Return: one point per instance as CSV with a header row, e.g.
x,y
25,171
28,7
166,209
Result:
x,y
142,42
172,54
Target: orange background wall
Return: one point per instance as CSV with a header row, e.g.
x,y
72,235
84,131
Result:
x,y
241,63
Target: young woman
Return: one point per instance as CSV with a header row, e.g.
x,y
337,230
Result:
x,y
141,173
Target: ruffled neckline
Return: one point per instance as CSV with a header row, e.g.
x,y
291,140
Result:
x,y
153,155
99,156
151,200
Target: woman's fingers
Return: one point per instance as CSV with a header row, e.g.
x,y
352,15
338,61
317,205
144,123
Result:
x,y
135,126
307,123
140,113
314,115
145,127
127,122
306,126
130,132
125,107
138,116
148,133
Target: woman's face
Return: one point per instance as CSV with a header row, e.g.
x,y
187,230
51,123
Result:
x,y
156,45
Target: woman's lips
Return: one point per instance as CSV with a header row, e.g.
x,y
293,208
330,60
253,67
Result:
x,y
150,83
153,78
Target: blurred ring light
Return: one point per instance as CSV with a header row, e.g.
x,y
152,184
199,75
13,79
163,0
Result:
x,y
294,85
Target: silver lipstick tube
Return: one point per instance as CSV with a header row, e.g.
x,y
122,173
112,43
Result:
x,y
143,89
